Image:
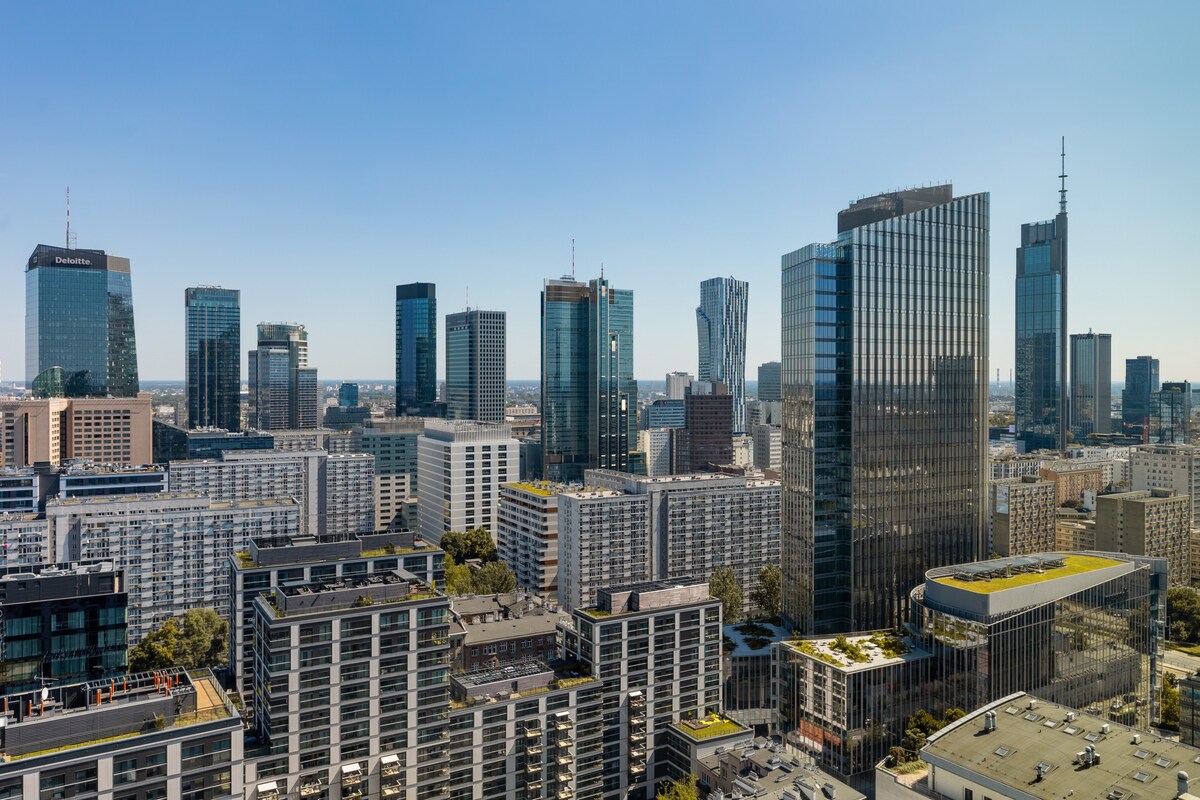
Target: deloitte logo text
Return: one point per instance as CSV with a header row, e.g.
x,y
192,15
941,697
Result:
x,y
82,262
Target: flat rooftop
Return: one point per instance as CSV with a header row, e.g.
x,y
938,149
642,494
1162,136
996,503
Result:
x,y
860,652
999,574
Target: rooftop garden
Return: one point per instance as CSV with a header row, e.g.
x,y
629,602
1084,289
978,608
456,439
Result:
x,y
709,727
1073,565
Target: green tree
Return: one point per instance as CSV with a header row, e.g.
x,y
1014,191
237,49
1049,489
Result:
x,y
924,722
682,789
458,578
1183,614
1169,703
767,593
157,650
495,577
198,639
465,545
723,585
952,715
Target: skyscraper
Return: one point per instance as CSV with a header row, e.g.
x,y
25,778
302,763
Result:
x,y
416,346
769,385
1091,383
79,336
589,396
475,365
885,353
721,333
283,389
1041,343
214,357
1141,381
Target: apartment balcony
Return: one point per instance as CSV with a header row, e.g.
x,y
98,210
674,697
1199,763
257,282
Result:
x,y
637,768
311,787
533,733
389,766
268,791
352,777
636,752
564,760
565,793
534,750
637,700
532,768
562,723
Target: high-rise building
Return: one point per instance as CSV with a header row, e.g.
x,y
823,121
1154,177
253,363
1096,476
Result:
x,y
416,346
1023,516
1171,412
475,365
1141,381
104,430
1154,522
706,440
885,341
214,357
770,386
658,445
721,332
1168,466
1041,328
768,447
527,534
348,395
677,384
589,396
284,394
1091,383
79,334
461,466
393,443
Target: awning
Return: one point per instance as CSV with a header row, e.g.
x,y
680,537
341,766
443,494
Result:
x,y
390,760
351,768
270,787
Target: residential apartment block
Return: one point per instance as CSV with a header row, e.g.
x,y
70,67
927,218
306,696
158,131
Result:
x,y
1023,516
461,467
1156,522
527,534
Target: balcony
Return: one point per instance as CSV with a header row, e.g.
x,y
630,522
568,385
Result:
x,y
638,735
562,722
637,768
637,700
637,752
534,750
389,766
533,733
532,768
564,793
268,791
564,760
351,776
311,788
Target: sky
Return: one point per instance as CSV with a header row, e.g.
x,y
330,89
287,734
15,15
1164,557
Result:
x,y
316,155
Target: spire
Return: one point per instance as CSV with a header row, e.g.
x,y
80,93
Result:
x,y
68,217
1062,192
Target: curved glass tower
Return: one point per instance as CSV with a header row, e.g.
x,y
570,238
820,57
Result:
x,y
721,335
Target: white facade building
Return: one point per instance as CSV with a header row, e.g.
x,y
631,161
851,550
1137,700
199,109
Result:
x,y
1168,466
768,447
461,466
656,444
603,540
527,534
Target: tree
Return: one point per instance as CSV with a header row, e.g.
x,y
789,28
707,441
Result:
x,y
1183,614
495,577
458,578
1169,703
767,594
465,545
723,585
198,639
682,789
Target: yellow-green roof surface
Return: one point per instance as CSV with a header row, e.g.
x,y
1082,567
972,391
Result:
x,y
1073,565
710,726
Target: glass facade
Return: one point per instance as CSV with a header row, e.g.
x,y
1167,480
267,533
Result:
x,y
721,333
884,366
284,390
612,412
79,332
416,346
1041,326
214,357
1091,383
475,365
1141,381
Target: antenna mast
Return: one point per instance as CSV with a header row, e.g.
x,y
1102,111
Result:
x,y
68,217
572,258
1062,192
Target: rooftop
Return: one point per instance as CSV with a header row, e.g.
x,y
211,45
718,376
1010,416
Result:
x,y
711,726
999,574
860,652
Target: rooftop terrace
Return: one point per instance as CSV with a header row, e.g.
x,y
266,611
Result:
x,y
999,574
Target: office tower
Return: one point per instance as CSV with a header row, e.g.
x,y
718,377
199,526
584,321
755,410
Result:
x,y
890,410
666,414
105,430
214,357
1171,412
1023,516
721,331
171,547
589,396
374,723
1168,466
270,562
461,466
393,443
675,626
284,393
79,334
656,443
1041,331
770,382
172,443
1154,522
416,347
1141,381
768,447
677,384
1091,383
527,534
348,395
706,440
475,365
168,733
61,625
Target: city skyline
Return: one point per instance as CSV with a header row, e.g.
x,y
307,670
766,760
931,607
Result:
x,y
688,170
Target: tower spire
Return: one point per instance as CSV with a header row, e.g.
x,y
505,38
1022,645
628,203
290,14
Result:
x,y
572,258
68,217
1062,192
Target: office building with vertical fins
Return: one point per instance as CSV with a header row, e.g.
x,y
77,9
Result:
x,y
214,357
1091,384
721,334
416,347
589,395
1042,408
79,334
475,365
885,353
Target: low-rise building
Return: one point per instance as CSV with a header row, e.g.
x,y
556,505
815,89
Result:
x,y
513,633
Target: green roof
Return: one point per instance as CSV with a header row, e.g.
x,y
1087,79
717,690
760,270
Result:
x,y
709,727
1072,565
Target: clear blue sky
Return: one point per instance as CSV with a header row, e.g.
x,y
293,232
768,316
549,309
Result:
x,y
315,155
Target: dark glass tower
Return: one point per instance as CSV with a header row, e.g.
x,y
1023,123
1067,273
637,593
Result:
x,y
589,396
416,346
214,357
1091,383
1041,331
1141,382
79,331
475,365
284,392
721,335
885,354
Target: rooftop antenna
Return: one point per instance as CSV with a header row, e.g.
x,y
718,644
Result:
x,y
70,238
601,270
468,297
572,258
1062,192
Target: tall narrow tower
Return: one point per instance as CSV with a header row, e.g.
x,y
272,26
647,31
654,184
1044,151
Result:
x,y
475,365
214,357
721,336
416,347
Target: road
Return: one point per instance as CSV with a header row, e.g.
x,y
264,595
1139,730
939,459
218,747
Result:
x,y
1181,663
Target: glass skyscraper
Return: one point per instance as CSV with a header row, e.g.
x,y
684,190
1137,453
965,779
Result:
x,y
1091,383
475,365
885,354
214,357
284,392
589,396
79,334
416,346
721,334
1141,382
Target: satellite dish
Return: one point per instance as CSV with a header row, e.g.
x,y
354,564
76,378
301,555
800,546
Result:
x,y
45,694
